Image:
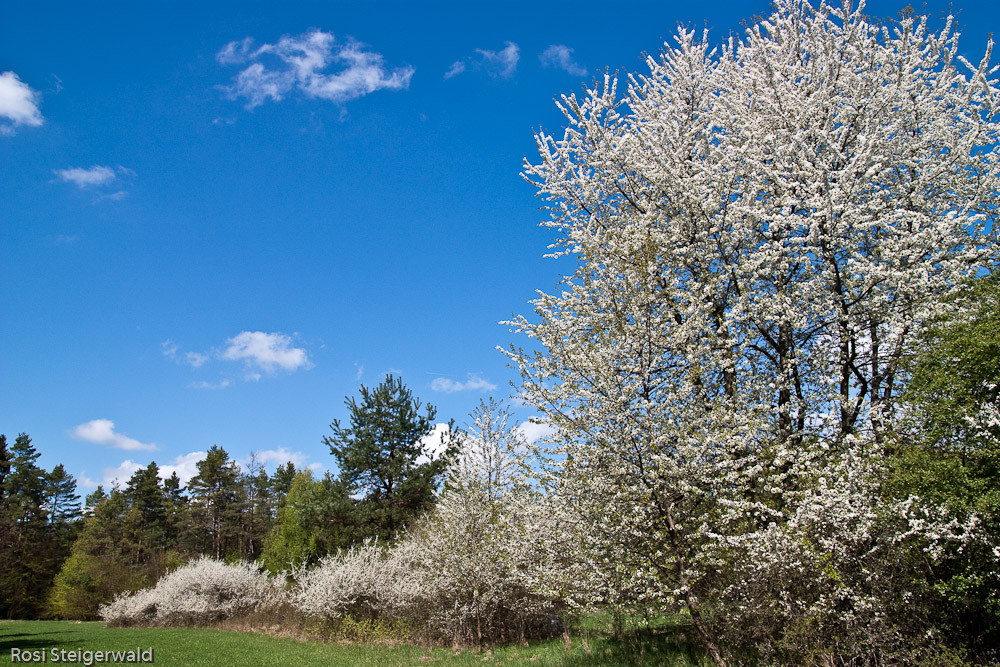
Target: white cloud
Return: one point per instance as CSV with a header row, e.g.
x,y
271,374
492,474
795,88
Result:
x,y
265,351
434,443
360,371
300,63
86,178
185,465
84,482
501,63
474,383
456,68
535,430
113,196
195,359
102,432
18,104
120,475
202,384
235,53
280,456
560,56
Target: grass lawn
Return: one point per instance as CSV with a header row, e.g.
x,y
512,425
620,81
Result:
x,y
185,647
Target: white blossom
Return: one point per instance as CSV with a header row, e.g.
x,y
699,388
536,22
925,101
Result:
x,y
763,228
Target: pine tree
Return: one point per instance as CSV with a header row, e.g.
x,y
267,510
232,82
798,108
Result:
x,y
62,501
147,514
216,494
257,516
281,483
384,456
32,548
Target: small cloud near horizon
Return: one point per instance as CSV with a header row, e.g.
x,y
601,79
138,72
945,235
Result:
x,y
185,465
102,432
474,383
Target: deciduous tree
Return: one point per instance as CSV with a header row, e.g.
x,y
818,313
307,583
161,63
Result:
x,y
762,231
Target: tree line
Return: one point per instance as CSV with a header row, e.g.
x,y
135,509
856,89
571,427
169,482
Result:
x,y
61,558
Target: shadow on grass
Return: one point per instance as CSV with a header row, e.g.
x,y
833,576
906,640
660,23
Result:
x,y
666,646
34,641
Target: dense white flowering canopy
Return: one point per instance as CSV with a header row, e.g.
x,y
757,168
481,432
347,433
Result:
x,y
762,229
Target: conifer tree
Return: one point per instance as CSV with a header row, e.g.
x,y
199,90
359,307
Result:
x,y
216,494
385,457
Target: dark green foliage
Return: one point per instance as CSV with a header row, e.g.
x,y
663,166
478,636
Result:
x,y
217,502
37,509
63,503
949,456
146,517
958,373
125,544
281,482
258,515
382,457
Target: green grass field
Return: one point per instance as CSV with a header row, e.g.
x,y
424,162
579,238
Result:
x,y
185,647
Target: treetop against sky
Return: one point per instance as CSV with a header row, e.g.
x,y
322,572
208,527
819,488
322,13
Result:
x,y
219,220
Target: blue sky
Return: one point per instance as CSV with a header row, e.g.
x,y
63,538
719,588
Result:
x,y
218,219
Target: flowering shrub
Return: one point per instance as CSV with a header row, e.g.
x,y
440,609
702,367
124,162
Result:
x,y
468,572
845,574
202,591
360,582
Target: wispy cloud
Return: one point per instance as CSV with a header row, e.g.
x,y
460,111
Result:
x,y
474,383
267,352
202,384
560,56
102,432
456,68
97,177
502,63
300,62
196,359
18,104
260,352
89,177
169,348
113,196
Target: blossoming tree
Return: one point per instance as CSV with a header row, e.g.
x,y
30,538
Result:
x,y
762,230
